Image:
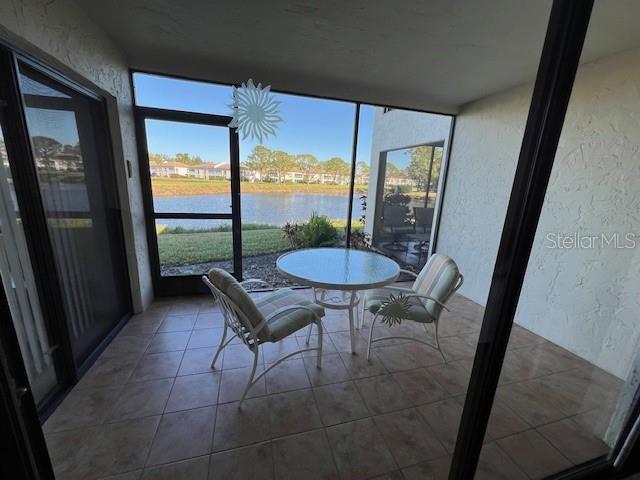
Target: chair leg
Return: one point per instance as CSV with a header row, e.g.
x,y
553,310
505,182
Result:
x,y
373,322
320,343
309,333
220,347
253,372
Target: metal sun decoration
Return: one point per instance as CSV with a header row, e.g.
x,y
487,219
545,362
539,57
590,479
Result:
x,y
394,309
254,110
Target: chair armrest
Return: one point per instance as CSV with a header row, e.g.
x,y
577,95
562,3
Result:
x,y
426,297
393,288
256,280
409,272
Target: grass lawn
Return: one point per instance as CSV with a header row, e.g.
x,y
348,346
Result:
x,y
164,187
189,248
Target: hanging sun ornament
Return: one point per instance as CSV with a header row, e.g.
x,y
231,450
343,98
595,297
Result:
x,y
254,110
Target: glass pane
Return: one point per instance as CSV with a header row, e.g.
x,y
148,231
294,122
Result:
x,y
571,367
189,166
303,171
400,195
186,95
192,247
19,285
77,186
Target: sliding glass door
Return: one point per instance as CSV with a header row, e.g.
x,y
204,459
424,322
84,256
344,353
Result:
x,y
77,186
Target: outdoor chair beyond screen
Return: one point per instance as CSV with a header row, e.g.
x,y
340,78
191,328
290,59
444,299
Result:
x,y
423,221
270,318
435,284
396,224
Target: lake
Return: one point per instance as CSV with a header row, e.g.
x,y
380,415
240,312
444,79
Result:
x,y
270,208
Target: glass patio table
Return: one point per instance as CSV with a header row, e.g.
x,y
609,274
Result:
x,y
337,275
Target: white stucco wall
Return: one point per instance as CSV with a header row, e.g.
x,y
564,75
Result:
x,y
586,300
398,129
60,34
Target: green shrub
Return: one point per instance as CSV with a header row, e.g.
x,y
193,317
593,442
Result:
x,y
318,231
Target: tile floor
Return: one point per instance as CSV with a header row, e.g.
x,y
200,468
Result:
x,y
151,408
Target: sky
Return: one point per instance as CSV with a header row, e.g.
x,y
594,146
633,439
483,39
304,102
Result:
x,y
323,128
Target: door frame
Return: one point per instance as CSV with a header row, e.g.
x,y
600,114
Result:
x,y
188,284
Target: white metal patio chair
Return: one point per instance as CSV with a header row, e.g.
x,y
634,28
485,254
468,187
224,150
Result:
x,y
269,318
432,288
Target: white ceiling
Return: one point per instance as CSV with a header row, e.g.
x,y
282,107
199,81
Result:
x,y
430,55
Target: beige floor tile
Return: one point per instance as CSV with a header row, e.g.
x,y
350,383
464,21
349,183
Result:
x,y
453,377
177,323
575,444
206,337
359,450
332,371
194,391
109,371
408,437
456,348
184,307
82,408
339,403
530,402
141,399
233,383
408,356
168,342
420,386
157,365
209,319
183,435
293,412
288,375
342,342
238,356
271,352
382,394
198,360
239,427
102,450
444,418
533,454
254,462
304,456
142,326
192,469
135,475
495,464
358,366
328,348
433,470
128,344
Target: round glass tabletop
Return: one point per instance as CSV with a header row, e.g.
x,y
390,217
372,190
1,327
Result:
x,y
338,268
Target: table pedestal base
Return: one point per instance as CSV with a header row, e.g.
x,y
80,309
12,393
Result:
x,y
341,300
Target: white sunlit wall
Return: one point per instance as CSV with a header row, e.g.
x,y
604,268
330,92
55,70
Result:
x,y
583,299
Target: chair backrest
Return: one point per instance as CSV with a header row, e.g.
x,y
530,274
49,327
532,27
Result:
x,y
423,216
394,215
438,279
239,310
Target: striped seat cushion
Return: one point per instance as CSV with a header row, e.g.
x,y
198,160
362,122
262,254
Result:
x,y
417,312
286,323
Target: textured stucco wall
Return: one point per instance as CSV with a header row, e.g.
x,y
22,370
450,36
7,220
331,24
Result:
x,y
401,129
585,300
59,33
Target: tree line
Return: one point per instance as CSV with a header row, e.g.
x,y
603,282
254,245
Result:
x,y
276,164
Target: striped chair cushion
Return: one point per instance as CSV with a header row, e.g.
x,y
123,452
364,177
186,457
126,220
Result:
x,y
285,323
437,279
228,285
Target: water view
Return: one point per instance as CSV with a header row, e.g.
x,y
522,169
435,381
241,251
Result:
x,y
263,208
